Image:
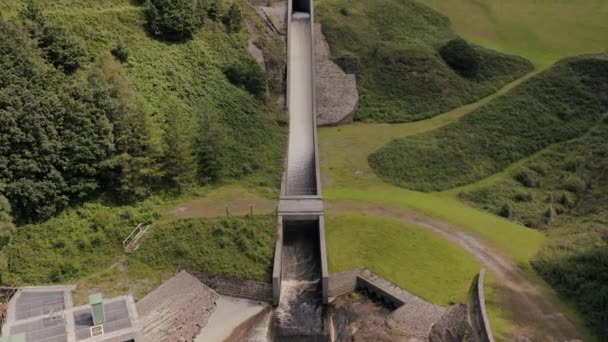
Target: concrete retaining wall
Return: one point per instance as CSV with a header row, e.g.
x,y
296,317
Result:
x,y
232,287
478,316
323,252
278,263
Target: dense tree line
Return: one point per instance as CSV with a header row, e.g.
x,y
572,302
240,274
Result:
x,y
66,136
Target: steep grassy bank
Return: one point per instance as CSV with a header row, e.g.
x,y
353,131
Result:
x,y
563,191
559,104
402,76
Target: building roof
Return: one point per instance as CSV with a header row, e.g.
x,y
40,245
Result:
x,y
46,314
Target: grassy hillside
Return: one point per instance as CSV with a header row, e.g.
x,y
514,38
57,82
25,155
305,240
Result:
x,y
557,105
175,94
401,75
566,196
541,31
429,266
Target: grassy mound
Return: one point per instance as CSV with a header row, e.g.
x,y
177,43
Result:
x,y
559,104
401,74
429,266
563,190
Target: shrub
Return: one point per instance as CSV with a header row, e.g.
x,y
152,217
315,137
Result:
x,y
233,20
527,178
506,211
62,50
120,52
344,11
574,184
174,20
461,57
348,63
248,76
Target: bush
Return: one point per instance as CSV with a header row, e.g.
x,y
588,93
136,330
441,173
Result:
x,y
62,50
348,63
461,57
233,19
120,52
527,178
248,76
174,20
506,211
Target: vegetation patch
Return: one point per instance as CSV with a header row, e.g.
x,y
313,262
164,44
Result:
x,y
559,104
401,75
234,247
413,258
567,199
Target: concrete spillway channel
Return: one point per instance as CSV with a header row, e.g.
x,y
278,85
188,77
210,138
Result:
x,y
300,276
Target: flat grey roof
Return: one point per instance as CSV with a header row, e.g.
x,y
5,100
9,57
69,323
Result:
x,y
46,314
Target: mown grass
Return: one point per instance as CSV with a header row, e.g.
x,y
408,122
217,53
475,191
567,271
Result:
x,y
401,76
412,257
541,31
559,104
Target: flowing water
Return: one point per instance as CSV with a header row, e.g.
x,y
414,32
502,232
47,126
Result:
x,y
301,310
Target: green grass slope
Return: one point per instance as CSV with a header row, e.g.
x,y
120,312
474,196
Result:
x,y
567,197
428,266
541,31
401,76
192,73
559,104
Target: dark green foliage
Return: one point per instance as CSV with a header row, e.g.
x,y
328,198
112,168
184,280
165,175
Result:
x,y
506,210
120,52
233,20
527,178
400,76
249,76
570,205
174,20
61,49
461,57
509,128
348,63
180,164
52,139
214,10
237,247
210,149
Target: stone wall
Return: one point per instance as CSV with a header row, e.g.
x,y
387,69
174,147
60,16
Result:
x,y
453,326
478,316
238,288
343,282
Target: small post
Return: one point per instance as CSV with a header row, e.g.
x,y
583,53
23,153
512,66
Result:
x,y
227,213
251,210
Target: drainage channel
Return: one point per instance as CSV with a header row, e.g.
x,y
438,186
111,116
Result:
x,y
300,267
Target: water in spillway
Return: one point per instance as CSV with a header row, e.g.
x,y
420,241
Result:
x,y
300,312
301,176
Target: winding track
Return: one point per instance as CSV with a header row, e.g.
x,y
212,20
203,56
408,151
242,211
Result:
x,y
538,320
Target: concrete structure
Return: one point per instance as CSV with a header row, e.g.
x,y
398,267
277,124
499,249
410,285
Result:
x,y
301,196
478,315
47,314
177,309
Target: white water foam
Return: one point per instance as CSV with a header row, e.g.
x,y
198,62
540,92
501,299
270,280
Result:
x,y
290,291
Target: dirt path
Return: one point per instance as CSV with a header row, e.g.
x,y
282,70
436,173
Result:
x,y
536,316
